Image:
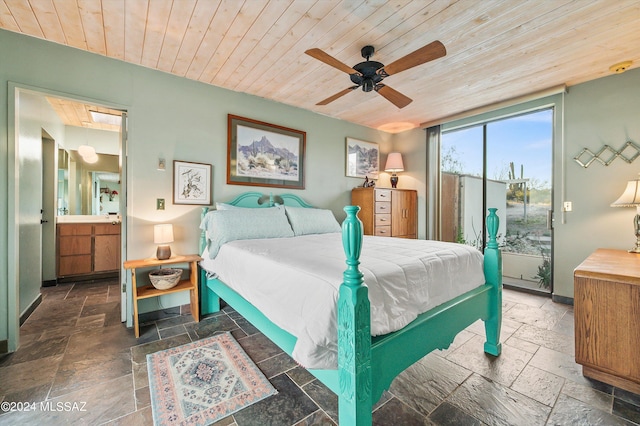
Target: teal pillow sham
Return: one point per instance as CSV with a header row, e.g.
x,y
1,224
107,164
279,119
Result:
x,y
305,221
225,206
223,226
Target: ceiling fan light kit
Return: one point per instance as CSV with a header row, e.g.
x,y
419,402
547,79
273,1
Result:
x,y
369,74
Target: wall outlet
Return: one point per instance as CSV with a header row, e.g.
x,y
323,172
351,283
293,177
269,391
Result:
x,y
567,206
160,204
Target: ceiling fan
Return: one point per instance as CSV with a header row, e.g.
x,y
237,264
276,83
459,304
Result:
x,y
369,74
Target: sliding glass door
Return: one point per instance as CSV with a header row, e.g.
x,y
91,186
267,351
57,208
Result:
x,y
505,163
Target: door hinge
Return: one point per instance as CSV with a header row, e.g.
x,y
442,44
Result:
x,y
124,287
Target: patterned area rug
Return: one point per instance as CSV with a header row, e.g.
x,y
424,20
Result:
x,y
203,381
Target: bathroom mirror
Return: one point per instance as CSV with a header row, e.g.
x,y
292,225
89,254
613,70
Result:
x,y
88,188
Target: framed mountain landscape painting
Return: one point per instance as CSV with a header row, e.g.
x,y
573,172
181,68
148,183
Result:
x,y
263,154
363,159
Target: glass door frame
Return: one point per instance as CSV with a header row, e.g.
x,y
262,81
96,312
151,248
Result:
x,y
434,184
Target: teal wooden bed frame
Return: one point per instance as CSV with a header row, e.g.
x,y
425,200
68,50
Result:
x,y
367,365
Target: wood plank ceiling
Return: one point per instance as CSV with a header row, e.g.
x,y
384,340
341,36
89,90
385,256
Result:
x,y
496,50
78,114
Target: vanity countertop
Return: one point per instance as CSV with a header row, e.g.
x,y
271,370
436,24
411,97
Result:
x,y
76,218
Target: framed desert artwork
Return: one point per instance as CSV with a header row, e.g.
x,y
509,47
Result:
x,y
263,154
363,159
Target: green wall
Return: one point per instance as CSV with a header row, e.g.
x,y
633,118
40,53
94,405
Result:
x,y
171,118
601,112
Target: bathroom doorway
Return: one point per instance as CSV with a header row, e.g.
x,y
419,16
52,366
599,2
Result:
x,y
46,124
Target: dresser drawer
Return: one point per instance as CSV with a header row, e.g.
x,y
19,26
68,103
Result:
x,y
382,231
383,207
74,229
383,220
383,195
107,229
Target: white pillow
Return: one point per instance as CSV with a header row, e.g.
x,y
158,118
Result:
x,y
223,226
306,221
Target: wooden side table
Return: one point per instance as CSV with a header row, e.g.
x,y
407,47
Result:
x,y
147,291
606,311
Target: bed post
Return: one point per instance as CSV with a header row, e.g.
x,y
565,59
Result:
x,y
209,301
493,275
354,331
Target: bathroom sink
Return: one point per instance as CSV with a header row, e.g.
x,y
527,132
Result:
x,y
88,219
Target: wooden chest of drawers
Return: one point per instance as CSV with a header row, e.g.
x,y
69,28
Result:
x,y
387,212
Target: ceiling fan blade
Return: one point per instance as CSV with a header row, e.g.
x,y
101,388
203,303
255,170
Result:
x,y
393,96
337,95
431,51
330,60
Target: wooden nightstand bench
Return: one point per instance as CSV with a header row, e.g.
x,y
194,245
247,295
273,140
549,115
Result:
x,y
147,291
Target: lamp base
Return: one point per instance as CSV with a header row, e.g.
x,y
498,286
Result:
x,y
394,180
163,252
636,228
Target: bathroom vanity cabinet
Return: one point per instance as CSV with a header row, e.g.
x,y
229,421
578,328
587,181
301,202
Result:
x,y
85,249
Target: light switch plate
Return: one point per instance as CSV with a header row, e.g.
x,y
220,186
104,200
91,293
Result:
x,y
160,204
567,206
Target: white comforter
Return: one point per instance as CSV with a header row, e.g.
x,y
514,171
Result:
x,y
295,281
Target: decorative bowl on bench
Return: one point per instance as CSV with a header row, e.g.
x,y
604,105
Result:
x,y
165,278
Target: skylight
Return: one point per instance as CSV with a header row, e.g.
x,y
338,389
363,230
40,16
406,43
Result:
x,y
104,118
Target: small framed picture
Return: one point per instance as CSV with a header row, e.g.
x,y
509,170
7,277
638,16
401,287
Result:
x,y
191,183
363,159
263,154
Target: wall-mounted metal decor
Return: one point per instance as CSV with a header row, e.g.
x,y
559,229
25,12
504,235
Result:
x,y
605,156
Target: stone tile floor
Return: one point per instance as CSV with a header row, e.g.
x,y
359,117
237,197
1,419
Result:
x,y
80,365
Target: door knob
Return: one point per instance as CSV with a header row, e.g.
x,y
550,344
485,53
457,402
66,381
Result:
x,y
43,221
